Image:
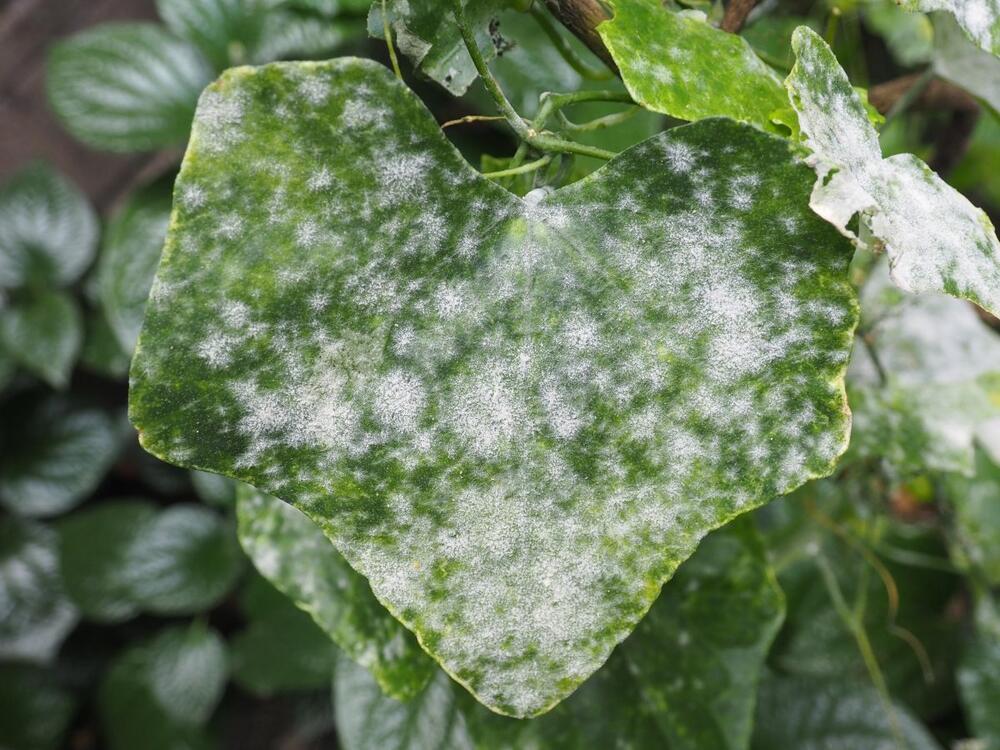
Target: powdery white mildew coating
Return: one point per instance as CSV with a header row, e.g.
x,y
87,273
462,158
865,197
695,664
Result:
x,y
514,417
935,239
980,19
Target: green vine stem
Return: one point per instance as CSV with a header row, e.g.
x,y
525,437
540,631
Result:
x,y
387,32
531,166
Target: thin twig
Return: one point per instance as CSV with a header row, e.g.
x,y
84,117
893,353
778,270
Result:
x,y
736,15
471,118
387,32
531,166
598,123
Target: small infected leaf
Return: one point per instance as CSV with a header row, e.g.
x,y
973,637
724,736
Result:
x,y
514,417
935,239
683,67
964,64
980,19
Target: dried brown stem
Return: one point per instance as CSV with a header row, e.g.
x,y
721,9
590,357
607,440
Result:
x,y
937,94
582,17
736,15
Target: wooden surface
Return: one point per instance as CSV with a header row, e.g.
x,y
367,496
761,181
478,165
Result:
x,y
28,129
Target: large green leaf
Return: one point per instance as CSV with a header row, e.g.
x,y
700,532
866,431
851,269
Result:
x,y
158,694
126,86
53,453
939,382
979,676
48,231
809,714
515,417
979,18
976,504
425,31
681,66
43,332
282,648
129,256
295,555
35,614
962,63
935,239
34,710
685,680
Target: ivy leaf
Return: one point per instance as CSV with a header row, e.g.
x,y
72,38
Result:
x,y
964,64
129,256
980,19
54,453
158,694
514,417
126,86
935,239
976,504
294,555
979,676
35,615
686,679
426,32
282,649
925,383
48,231
680,65
34,711
43,332
810,714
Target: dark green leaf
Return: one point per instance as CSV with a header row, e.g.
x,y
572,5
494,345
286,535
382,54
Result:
x,y
34,711
48,231
158,694
35,615
43,332
126,86
282,648
979,677
129,256
293,553
515,417
53,453
102,352
214,489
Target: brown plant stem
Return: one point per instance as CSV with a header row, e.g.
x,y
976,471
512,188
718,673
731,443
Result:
x,y
736,15
582,17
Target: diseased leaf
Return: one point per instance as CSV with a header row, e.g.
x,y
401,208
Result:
x,y
34,711
980,19
129,256
53,453
683,67
809,714
685,680
48,231
426,32
515,417
979,676
282,648
290,35
964,64
158,694
35,615
939,383
43,332
935,239
975,501
293,553
126,86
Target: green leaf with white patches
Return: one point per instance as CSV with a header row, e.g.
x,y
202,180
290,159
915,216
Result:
x,y
685,680
35,614
468,391
53,453
425,32
681,66
961,62
979,19
935,239
43,331
126,86
975,502
34,710
293,553
810,714
130,254
979,676
925,381
48,231
282,648
158,694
